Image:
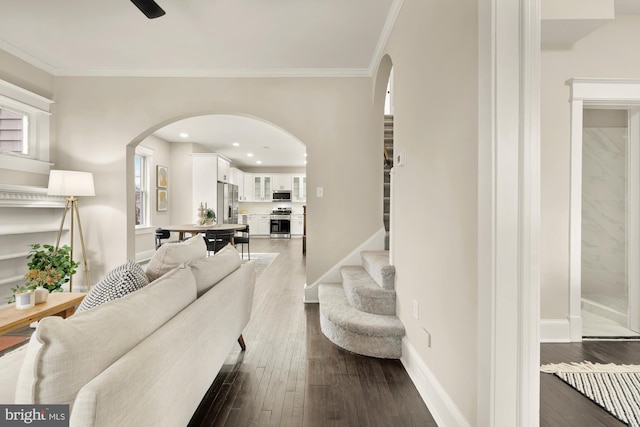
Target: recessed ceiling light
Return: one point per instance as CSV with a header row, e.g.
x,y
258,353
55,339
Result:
x,y
305,162
258,162
249,154
305,154
236,144
184,135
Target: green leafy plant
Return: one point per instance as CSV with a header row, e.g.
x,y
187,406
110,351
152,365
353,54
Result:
x,y
210,214
48,269
55,266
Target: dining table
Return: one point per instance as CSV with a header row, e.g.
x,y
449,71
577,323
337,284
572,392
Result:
x,y
194,229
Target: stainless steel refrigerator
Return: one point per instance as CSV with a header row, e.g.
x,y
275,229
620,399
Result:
x,y
227,212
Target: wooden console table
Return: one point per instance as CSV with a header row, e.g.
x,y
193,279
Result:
x,y
58,304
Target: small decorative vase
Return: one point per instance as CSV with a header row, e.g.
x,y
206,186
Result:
x,y
25,299
209,222
41,295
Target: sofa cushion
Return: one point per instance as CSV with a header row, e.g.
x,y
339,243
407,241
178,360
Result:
x,y
171,255
64,354
117,283
209,271
9,368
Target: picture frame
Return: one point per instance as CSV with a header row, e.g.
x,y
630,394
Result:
x,y
162,176
162,200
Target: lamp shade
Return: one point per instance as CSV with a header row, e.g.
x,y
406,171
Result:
x,y
70,183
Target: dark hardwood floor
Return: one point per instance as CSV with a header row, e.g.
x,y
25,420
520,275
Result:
x,y
561,405
291,375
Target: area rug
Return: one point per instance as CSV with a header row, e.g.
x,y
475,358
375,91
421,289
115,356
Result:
x,y
262,261
615,388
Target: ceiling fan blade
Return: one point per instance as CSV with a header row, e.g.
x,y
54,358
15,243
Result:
x,y
149,7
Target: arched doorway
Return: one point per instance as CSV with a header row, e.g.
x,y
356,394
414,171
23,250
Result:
x,y
384,106
247,144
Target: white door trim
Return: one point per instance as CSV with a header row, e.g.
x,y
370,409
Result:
x,y
622,93
633,219
508,213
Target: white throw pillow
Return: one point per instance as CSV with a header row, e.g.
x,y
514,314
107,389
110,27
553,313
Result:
x,y
65,354
117,283
171,255
209,271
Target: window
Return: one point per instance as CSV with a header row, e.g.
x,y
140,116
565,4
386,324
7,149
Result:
x,y
142,197
24,130
13,132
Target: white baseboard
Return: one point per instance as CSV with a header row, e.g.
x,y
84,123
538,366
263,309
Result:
x,y
442,408
373,243
555,330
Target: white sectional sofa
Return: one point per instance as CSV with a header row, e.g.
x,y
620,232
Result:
x,y
146,359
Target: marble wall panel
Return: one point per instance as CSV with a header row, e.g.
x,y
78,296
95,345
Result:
x,y
604,211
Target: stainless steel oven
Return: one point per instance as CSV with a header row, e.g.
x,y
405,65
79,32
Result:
x,y
280,223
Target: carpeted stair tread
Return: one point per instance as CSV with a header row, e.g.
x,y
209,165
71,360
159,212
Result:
x,y
364,293
363,333
376,263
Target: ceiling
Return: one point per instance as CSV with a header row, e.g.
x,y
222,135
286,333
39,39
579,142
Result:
x,y
205,38
217,38
198,37
267,144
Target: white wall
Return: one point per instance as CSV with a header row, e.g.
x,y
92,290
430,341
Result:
x,y
435,206
603,53
97,118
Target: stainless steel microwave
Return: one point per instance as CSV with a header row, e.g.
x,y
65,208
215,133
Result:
x,y
281,196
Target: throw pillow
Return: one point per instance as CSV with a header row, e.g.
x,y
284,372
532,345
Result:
x,y
117,283
171,255
209,271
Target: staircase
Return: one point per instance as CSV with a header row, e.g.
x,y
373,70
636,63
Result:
x,y
388,164
359,314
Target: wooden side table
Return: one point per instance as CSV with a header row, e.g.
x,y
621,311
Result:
x,y
58,304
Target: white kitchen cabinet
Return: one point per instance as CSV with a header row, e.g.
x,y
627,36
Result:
x,y
252,220
259,225
281,181
224,169
247,195
297,224
237,178
262,188
299,188
204,177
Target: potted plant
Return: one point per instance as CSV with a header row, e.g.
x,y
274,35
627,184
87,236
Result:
x,y
210,217
49,269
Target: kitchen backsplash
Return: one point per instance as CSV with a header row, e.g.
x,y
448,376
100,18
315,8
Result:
x,y
266,207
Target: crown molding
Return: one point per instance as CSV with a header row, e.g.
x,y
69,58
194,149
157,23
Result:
x,y
217,72
19,196
389,24
18,53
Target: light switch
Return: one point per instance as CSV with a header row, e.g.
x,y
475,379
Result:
x,y
319,192
401,158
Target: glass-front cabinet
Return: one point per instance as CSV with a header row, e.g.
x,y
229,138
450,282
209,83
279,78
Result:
x,y
299,192
261,188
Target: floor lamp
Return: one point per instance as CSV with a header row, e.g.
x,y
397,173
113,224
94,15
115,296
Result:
x,y
72,184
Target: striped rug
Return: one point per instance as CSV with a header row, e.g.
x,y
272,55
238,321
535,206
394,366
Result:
x,y
616,388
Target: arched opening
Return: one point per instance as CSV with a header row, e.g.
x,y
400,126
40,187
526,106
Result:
x,y
166,182
384,95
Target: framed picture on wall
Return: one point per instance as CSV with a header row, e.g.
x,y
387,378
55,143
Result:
x,y
162,176
162,200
